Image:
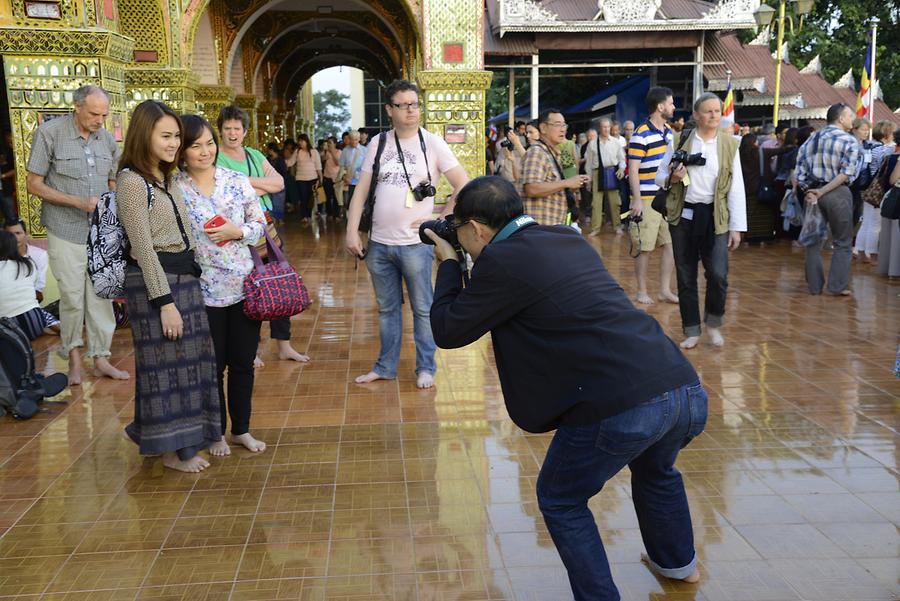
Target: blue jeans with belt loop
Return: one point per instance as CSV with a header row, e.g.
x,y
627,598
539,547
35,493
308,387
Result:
x,y
580,460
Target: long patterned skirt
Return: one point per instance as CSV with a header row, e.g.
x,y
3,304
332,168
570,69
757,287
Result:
x,y
176,398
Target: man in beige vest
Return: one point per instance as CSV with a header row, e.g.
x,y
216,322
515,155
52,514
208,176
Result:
x,y
706,210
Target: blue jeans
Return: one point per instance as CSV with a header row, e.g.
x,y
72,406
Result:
x,y
579,462
388,265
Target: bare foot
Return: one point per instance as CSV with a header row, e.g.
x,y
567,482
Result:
x,y
715,337
287,353
257,362
619,231
667,297
690,342
74,367
250,443
193,465
103,368
693,578
219,448
594,234
370,377
425,380
644,298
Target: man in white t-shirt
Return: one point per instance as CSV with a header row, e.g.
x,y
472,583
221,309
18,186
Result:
x,y
394,250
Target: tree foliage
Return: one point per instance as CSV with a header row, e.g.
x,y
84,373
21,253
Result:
x,y
331,113
836,30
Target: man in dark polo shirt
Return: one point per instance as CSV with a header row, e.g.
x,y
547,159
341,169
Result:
x,y
573,354
73,161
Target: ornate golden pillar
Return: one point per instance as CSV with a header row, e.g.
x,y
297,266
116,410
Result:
x,y
249,103
212,99
43,67
454,109
453,81
266,123
290,125
175,87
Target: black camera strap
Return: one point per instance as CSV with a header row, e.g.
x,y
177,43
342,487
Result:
x,y
571,203
403,163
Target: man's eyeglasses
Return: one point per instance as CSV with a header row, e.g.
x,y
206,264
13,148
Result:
x,y
559,125
89,156
406,106
456,226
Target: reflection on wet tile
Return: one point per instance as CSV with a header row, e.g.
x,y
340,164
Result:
x,y
384,492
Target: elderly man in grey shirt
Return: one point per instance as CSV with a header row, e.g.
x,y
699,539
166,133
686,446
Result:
x,y
73,161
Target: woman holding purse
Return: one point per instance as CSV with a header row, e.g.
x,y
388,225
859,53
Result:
x,y
176,411
233,122
226,219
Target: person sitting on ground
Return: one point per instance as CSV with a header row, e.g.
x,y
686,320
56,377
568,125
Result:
x,y
39,257
18,274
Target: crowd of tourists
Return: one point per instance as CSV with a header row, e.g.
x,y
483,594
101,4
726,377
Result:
x,y
200,210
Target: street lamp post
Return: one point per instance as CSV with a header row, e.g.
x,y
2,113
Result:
x,y
763,16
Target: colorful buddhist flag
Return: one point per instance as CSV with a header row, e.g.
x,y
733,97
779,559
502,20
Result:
x,y
864,100
728,105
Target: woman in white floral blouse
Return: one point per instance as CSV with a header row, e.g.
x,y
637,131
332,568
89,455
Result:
x,y
227,219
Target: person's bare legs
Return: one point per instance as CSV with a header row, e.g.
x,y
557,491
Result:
x,y
370,377
424,380
103,368
640,270
74,367
193,465
248,442
666,269
219,448
287,353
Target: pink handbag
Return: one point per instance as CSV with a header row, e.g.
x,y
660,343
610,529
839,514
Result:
x,y
273,290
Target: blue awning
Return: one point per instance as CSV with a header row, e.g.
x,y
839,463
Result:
x,y
587,105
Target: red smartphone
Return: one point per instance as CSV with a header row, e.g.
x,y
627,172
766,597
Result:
x,y
216,221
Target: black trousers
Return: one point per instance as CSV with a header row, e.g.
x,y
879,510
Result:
x,y
688,253
332,207
235,338
307,198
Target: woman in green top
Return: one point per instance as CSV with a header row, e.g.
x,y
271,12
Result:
x,y
233,123
567,155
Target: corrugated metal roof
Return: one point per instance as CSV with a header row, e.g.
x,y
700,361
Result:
x,y
512,44
748,62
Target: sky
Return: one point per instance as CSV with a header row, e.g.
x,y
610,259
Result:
x,y
335,78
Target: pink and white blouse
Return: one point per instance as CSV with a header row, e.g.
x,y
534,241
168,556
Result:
x,y
224,267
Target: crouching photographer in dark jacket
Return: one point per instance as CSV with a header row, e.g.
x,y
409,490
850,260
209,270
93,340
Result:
x,y
574,355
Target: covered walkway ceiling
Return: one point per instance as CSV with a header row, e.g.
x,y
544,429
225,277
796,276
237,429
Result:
x,y
272,47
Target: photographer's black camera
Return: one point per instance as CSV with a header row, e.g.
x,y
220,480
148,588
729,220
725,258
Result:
x,y
506,144
424,190
681,157
443,228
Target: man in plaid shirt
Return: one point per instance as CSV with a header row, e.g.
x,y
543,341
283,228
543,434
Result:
x,y
825,165
545,189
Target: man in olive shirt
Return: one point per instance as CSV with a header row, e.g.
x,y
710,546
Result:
x,y
73,161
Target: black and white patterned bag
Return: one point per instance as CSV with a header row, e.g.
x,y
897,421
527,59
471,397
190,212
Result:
x,y
107,245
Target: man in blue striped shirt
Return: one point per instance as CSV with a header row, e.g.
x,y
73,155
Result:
x,y
645,151
826,163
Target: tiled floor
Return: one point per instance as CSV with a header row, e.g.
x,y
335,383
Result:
x,y
384,492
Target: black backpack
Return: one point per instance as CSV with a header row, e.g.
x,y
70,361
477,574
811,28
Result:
x,y
21,389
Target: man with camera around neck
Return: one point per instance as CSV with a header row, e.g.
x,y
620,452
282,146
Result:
x,y
707,210
605,153
649,230
410,166
826,163
546,191
574,355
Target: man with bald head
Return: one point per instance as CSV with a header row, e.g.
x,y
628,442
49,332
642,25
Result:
x,y
73,161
